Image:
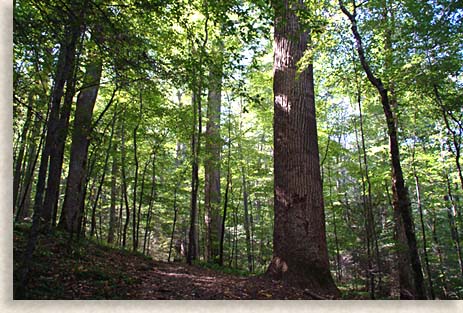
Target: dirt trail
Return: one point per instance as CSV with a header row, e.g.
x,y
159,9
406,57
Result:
x,y
181,281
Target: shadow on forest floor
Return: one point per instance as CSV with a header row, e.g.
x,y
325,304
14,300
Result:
x,y
86,270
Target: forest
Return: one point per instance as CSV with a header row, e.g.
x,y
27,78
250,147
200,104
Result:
x,y
241,149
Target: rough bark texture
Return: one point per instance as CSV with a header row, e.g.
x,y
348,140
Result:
x,y
212,162
71,214
299,253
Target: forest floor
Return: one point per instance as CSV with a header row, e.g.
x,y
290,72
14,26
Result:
x,y
86,270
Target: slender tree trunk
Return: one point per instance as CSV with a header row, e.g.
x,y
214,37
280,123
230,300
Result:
x,y
401,202
451,214
251,230
19,164
246,222
24,202
121,209
173,225
195,147
335,231
370,215
422,224
103,176
88,195
300,253
112,208
456,138
370,281
135,184
212,160
124,187
137,230
235,235
150,207
71,214
443,274
227,187
423,233
193,233
178,157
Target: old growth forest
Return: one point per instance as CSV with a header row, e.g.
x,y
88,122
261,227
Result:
x,y
207,149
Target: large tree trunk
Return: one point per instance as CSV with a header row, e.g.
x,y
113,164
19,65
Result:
x,y
64,65
58,134
300,252
212,162
71,214
400,202
65,62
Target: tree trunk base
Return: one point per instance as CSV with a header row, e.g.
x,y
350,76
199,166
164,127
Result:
x,y
316,280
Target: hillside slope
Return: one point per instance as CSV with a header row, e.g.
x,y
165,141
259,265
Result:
x,y
86,270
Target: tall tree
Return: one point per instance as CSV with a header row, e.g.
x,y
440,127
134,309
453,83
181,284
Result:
x,y
59,130
74,195
401,202
299,241
212,161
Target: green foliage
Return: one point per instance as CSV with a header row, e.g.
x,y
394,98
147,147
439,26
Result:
x,y
158,53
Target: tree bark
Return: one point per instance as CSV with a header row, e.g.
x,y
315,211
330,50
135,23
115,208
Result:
x,y
212,160
300,252
65,64
71,214
59,131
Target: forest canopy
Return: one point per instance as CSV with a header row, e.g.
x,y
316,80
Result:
x,y
315,142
